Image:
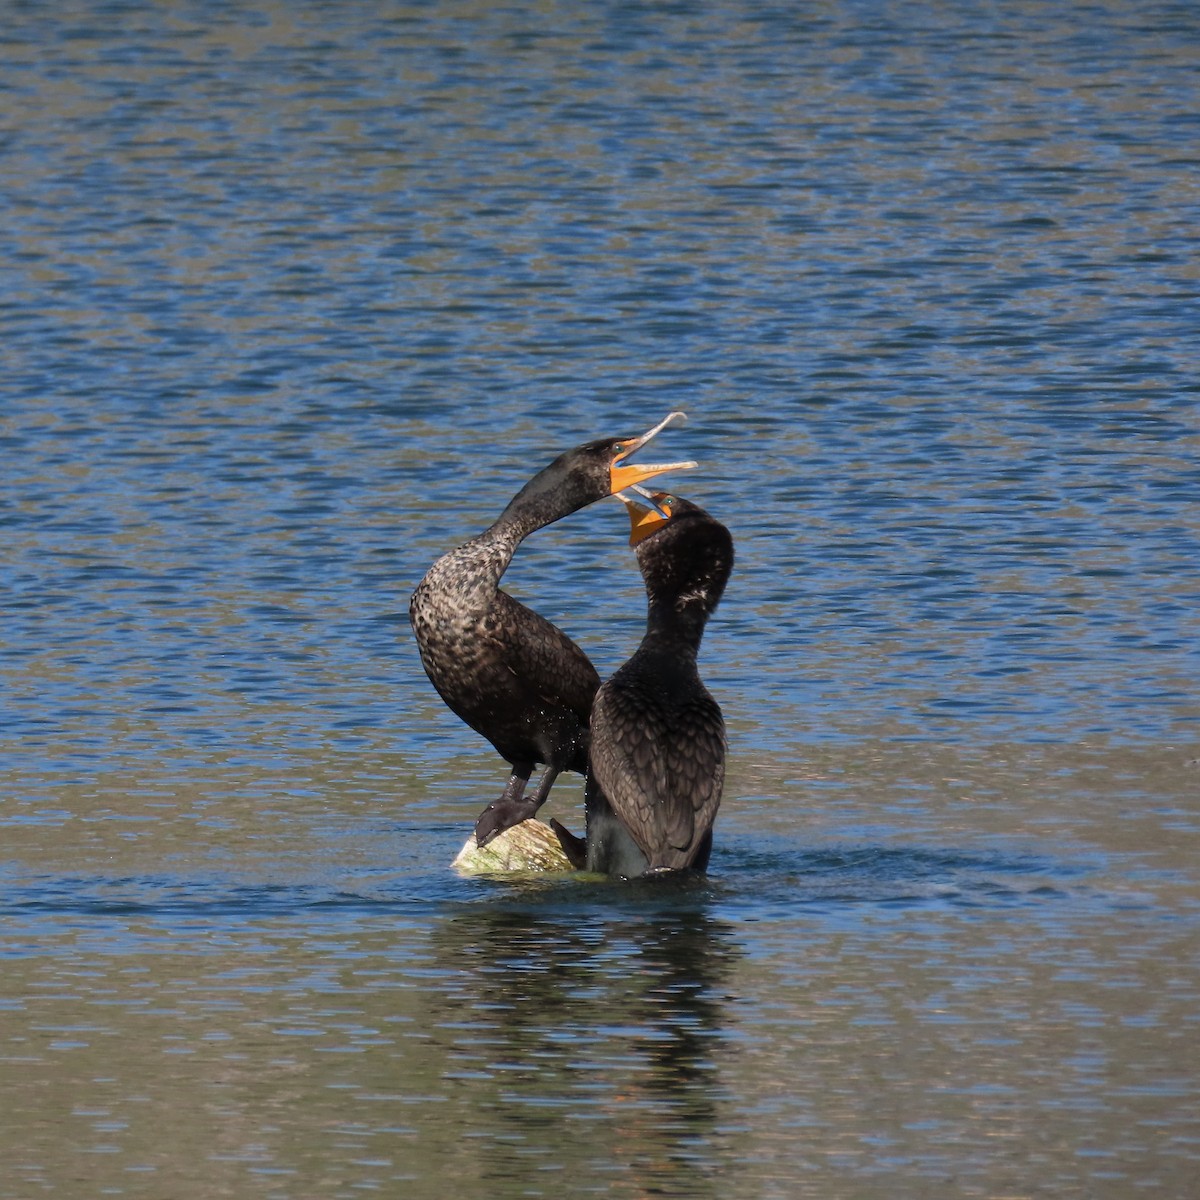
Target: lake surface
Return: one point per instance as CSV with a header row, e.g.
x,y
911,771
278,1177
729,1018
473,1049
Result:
x,y
295,298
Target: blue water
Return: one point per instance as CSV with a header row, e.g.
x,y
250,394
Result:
x,y
296,297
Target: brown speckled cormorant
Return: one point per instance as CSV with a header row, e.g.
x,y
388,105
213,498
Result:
x,y
507,672
657,736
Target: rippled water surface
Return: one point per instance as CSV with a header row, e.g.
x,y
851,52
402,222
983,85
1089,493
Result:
x,y
296,296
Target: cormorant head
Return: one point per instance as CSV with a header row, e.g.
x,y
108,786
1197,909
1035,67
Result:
x,y
685,555
594,470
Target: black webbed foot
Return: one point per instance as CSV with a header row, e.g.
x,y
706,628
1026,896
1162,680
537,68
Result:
x,y
500,815
575,848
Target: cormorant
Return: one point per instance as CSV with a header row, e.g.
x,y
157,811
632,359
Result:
x,y
507,672
657,761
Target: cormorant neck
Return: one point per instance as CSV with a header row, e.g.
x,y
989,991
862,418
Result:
x,y
675,624
517,522
464,581
547,497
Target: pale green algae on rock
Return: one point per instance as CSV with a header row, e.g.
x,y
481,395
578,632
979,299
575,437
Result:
x,y
530,846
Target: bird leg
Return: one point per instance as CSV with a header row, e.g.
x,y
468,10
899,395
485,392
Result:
x,y
514,806
543,788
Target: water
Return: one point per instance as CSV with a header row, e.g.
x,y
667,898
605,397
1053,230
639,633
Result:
x,y
296,296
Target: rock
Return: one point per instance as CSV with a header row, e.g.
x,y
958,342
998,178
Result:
x,y
530,846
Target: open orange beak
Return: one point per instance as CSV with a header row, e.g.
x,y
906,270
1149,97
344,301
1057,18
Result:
x,y
645,516
622,474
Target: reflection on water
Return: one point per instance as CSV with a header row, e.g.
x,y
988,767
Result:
x,y
297,296
596,1027
835,1014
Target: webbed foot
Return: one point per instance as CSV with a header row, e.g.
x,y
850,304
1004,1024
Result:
x,y
500,815
575,848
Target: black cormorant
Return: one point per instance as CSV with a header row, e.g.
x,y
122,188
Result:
x,y
657,761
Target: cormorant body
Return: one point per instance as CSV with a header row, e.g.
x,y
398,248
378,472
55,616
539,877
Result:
x,y
657,760
510,674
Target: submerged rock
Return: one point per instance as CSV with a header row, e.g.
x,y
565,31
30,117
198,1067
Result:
x,y
530,846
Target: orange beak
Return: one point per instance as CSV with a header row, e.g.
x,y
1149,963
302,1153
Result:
x,y
622,475
645,518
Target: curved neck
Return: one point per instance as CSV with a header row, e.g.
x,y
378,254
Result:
x,y
465,580
547,497
521,518
474,569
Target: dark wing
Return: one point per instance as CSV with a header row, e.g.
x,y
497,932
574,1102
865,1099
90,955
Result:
x,y
661,763
530,690
696,765
548,662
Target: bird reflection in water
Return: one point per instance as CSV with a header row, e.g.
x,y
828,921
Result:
x,y
597,1030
